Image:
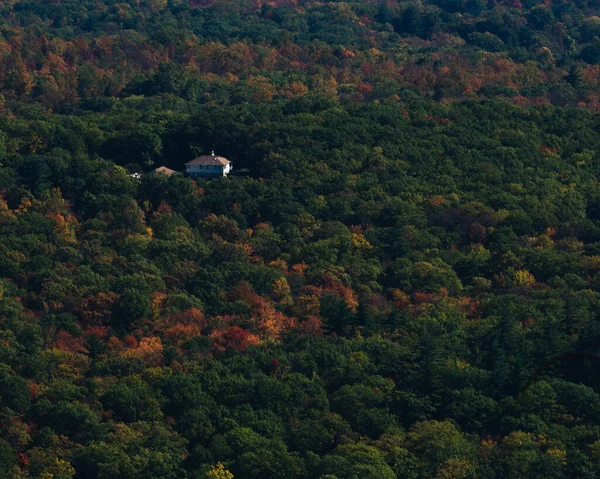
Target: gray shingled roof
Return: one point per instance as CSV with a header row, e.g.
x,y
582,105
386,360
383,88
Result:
x,y
209,160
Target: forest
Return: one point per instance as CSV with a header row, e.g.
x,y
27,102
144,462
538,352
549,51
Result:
x,y
400,278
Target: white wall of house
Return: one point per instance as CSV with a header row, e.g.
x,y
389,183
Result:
x,y
208,170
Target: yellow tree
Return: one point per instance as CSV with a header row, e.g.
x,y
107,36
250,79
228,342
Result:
x,y
219,472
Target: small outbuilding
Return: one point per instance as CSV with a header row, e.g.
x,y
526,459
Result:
x,y
162,170
208,166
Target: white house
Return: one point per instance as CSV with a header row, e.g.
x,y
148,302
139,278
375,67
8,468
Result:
x,y
208,166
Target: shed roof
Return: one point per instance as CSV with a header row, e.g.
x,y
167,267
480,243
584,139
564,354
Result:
x,y
163,170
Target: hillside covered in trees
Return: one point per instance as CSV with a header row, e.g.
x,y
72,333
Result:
x,y
402,282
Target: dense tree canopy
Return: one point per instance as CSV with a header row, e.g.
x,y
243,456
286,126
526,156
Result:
x,y
401,278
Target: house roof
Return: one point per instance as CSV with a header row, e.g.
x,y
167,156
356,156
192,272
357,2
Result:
x,y
163,170
209,160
